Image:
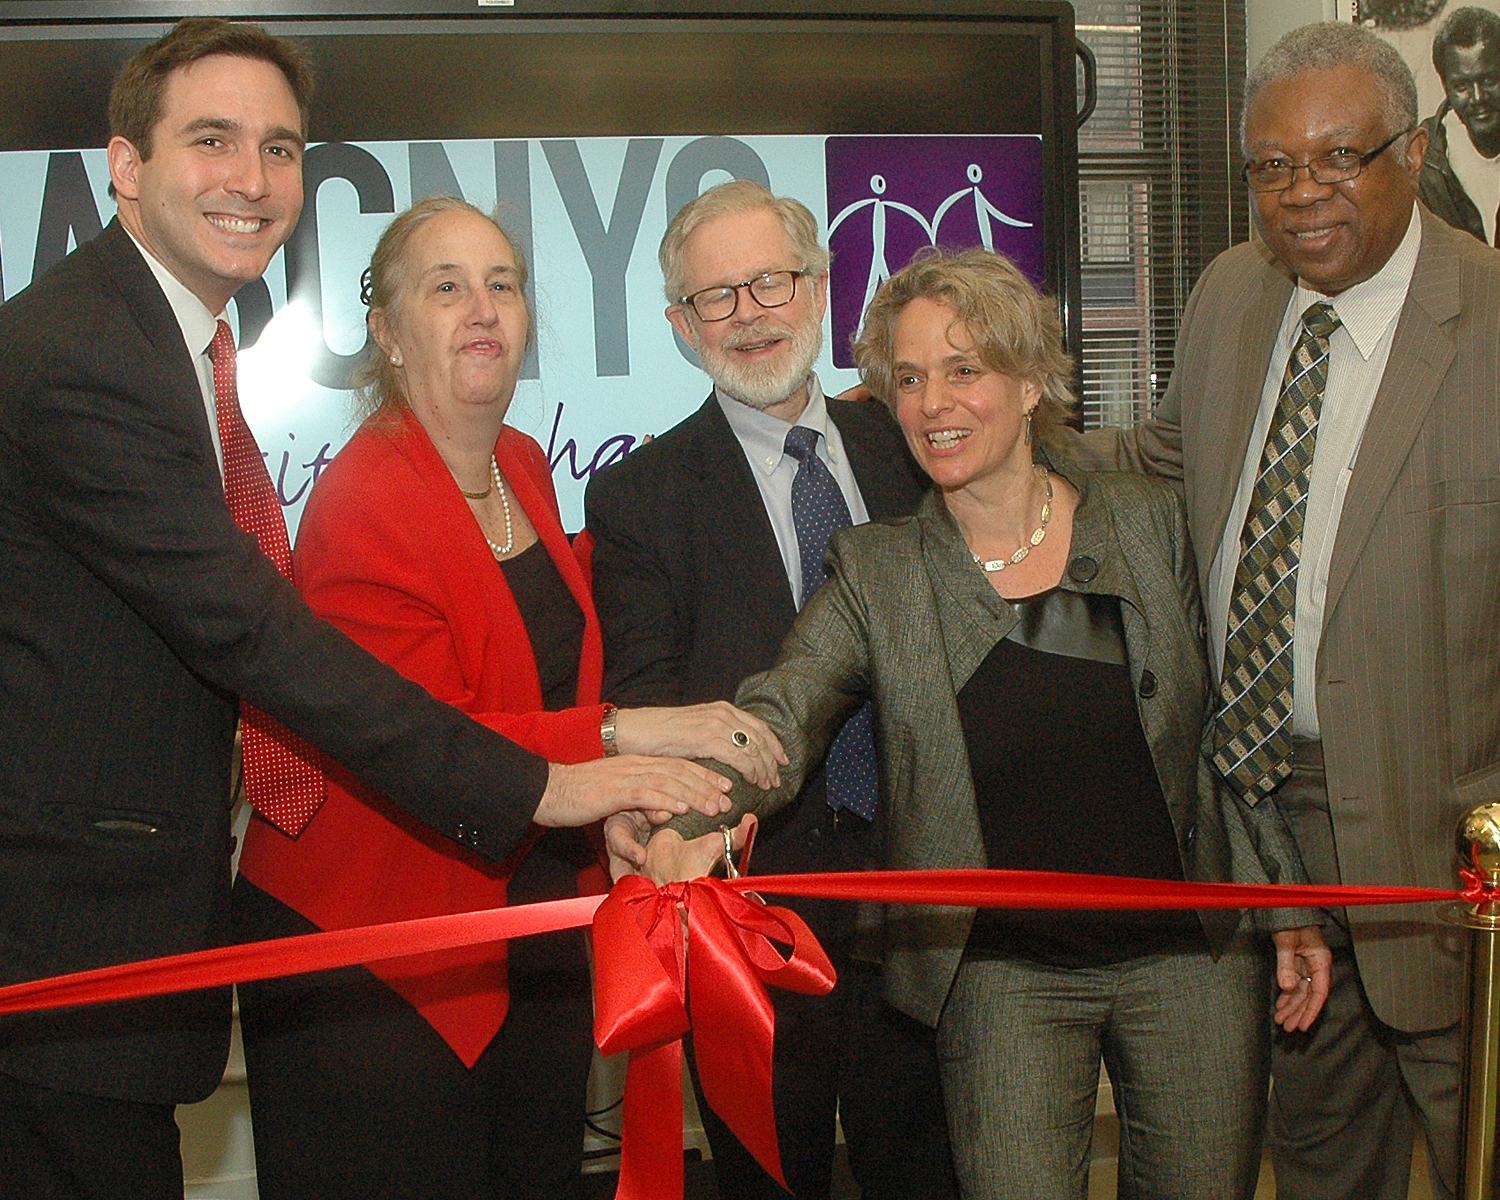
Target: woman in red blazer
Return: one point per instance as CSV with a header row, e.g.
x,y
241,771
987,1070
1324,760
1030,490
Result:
x,y
433,539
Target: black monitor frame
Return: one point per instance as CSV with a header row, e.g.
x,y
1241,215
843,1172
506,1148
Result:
x,y
58,56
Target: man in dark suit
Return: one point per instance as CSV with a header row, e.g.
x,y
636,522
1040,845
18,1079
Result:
x,y
1382,724
700,564
134,615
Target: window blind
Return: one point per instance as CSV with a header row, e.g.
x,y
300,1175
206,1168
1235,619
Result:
x,y
1159,194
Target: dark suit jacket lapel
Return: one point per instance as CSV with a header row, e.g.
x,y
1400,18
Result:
x,y
734,528
1420,356
142,295
886,482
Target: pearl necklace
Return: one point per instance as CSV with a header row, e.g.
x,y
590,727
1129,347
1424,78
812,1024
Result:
x,y
999,564
498,483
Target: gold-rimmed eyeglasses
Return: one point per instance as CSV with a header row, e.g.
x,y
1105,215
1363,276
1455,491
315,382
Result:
x,y
1278,174
770,290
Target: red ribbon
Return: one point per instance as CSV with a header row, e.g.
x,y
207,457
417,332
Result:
x,y
643,1001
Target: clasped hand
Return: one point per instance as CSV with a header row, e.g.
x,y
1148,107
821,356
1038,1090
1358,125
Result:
x,y
664,855
652,778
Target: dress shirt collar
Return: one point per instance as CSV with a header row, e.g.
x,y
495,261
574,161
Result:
x,y
198,325
764,436
1367,310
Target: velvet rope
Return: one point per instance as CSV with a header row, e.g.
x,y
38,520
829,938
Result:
x,y
643,1001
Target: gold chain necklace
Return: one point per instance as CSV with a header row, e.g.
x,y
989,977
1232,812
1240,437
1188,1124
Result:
x,y
989,567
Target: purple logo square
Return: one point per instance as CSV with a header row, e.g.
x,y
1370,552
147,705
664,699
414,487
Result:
x,y
890,196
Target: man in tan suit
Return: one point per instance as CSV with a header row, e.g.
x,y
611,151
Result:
x,y
1379,603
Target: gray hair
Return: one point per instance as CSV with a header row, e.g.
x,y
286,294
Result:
x,y
1329,44
737,196
1465,28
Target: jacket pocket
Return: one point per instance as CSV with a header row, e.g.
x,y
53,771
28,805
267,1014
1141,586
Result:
x,y
1449,493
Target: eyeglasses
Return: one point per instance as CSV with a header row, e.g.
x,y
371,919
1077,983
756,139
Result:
x,y
771,290
1277,174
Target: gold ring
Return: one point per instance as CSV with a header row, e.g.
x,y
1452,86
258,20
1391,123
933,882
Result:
x,y
740,738
731,871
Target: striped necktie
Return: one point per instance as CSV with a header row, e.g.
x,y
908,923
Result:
x,y
818,512
1253,730
283,780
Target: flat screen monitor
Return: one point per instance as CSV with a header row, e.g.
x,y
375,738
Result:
x,y
588,125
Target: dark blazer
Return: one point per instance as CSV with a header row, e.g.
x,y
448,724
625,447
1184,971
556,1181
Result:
x,y
133,615
906,618
1408,671
688,579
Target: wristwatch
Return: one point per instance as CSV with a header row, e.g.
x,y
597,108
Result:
x,y
607,733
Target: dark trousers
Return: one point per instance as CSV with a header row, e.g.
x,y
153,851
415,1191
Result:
x,y
1347,1094
848,1052
352,1093
66,1146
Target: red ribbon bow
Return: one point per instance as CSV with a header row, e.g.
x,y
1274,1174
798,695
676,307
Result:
x,y
643,938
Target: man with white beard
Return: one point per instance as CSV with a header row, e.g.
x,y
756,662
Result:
x,y
707,542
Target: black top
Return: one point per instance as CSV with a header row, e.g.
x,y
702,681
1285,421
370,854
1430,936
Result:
x,y
553,621
1064,781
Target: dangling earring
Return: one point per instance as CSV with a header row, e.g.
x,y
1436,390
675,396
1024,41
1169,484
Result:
x,y
1029,411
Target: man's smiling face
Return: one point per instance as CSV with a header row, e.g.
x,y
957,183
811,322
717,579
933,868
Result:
x,y
222,189
760,356
1333,235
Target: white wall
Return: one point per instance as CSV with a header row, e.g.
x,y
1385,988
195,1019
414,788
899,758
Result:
x,y
1267,20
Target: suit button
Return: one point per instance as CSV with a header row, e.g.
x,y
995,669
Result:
x,y
461,833
1202,629
1082,569
476,835
1148,685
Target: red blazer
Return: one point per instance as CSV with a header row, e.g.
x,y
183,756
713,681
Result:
x,y
390,553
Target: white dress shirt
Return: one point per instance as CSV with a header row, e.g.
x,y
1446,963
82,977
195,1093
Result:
x,y
763,439
1357,354
198,328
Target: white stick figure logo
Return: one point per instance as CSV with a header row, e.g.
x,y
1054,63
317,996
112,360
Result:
x,y
983,209
880,270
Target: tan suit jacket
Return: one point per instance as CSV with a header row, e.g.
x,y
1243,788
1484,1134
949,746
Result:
x,y
1408,670
906,618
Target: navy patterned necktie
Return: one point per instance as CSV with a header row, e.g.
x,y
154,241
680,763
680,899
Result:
x,y
818,512
1253,731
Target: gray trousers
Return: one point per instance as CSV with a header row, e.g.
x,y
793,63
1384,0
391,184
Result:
x,y
1182,1037
1348,1093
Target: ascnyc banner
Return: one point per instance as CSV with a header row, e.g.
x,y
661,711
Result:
x,y
589,213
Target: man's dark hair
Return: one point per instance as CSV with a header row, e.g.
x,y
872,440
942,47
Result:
x,y
135,101
1465,27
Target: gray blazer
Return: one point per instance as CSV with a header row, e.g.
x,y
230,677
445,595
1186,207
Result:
x,y
1408,671
906,618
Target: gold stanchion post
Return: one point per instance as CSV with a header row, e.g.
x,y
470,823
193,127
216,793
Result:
x,y
1477,842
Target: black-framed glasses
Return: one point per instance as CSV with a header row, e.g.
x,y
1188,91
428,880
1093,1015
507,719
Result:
x,y
771,290
1277,174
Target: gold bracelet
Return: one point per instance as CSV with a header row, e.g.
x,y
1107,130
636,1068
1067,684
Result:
x,y
608,734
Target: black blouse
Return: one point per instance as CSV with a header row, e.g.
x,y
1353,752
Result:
x,y
554,622
1064,781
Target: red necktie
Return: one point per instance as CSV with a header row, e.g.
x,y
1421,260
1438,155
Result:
x,y
283,781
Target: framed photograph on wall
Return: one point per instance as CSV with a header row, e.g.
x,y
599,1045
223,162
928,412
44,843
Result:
x,y
1453,49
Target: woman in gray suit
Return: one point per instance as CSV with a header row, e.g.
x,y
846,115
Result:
x,y
1032,641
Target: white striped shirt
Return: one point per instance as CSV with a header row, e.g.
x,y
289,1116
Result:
x,y
1357,354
